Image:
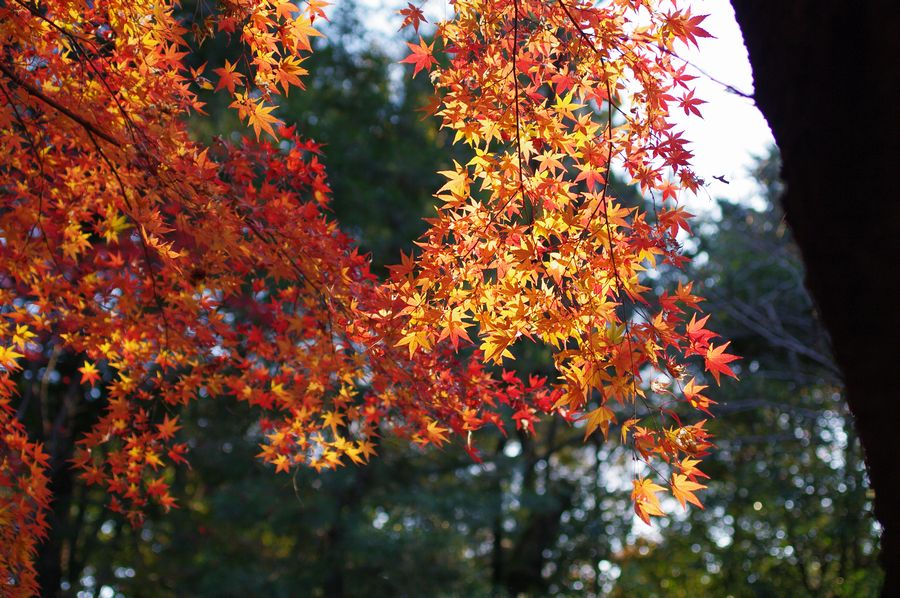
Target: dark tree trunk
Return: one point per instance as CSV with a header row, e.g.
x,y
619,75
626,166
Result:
x,y
57,412
828,81
50,554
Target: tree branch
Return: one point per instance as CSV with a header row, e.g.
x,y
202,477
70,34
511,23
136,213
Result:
x,y
35,92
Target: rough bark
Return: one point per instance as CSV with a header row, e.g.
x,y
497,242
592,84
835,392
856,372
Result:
x,y
827,79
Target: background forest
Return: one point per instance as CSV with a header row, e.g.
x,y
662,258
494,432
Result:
x,y
543,514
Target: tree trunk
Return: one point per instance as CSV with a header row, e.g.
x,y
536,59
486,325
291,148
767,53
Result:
x,y
828,82
49,562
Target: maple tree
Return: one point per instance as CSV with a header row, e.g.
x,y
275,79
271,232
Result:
x,y
544,513
176,271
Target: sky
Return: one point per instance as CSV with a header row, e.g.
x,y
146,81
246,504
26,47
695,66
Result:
x,y
732,130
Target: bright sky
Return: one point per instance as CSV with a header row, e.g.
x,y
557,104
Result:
x,y
732,129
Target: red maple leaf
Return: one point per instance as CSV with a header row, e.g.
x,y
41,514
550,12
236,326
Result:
x,y
697,333
690,104
412,15
717,360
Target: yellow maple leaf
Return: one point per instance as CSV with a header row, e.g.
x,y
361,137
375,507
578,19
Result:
x,y
8,357
436,434
646,503
495,347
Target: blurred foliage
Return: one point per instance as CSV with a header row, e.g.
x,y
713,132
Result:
x,y
786,512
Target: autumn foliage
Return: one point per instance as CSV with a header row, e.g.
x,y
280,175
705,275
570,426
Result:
x,y
180,272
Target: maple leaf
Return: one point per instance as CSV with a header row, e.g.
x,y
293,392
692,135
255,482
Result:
x,y
690,104
696,332
525,418
496,346
436,434
600,417
228,77
22,336
412,15
683,292
686,26
301,30
627,426
716,361
683,490
421,56
692,394
282,464
565,106
367,449
157,487
89,373
688,468
9,358
455,328
152,459
177,452
646,503
413,339
168,427
457,185
333,419
167,501
93,476
285,10
289,72
259,116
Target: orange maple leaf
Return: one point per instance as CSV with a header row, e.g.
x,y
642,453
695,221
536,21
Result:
x,y
688,468
436,434
89,373
168,427
261,119
496,347
285,10
282,464
421,56
697,333
600,417
9,358
692,394
228,77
